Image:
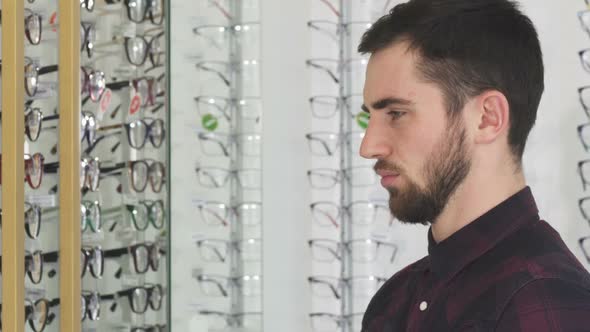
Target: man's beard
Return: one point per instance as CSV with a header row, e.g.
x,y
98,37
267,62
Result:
x,y
444,171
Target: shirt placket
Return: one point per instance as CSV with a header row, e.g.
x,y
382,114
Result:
x,y
425,294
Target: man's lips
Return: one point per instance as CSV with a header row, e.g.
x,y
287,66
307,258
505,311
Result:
x,y
388,178
384,173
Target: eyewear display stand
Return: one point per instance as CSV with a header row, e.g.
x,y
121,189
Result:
x,y
228,269
350,245
236,162
89,250
346,193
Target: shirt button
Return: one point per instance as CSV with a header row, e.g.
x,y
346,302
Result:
x,y
423,306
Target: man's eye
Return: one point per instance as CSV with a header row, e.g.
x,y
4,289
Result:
x,y
395,114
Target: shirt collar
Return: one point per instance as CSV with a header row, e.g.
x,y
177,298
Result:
x,y
451,255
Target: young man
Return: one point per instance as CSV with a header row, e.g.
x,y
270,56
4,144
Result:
x,y
452,88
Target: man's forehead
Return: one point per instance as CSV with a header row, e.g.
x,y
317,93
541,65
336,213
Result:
x,y
391,71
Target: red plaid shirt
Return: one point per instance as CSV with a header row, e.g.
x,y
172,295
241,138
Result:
x,y
506,271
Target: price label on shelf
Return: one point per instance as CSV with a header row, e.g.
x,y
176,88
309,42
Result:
x,y
35,293
362,119
42,200
209,122
53,21
135,103
105,100
103,104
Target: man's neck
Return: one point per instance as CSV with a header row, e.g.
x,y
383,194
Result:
x,y
473,198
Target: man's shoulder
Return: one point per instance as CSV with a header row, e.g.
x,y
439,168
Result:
x,y
400,280
416,267
544,255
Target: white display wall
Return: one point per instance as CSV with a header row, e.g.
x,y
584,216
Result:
x,y
286,43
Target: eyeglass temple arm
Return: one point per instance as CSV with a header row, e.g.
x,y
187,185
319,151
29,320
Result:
x,y
110,297
328,71
118,85
211,70
206,137
115,111
323,143
116,167
51,257
152,68
115,126
329,284
216,215
51,167
223,11
115,253
332,220
331,7
49,118
157,108
54,303
219,286
217,253
334,252
91,147
393,254
47,69
212,177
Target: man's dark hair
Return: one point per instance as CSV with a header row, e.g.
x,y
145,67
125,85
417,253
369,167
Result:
x,y
468,47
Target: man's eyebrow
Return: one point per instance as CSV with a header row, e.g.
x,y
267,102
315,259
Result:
x,y
385,102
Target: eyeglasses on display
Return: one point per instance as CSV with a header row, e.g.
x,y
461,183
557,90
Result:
x,y
216,285
140,298
215,250
325,321
219,320
145,212
89,306
325,178
362,213
248,108
214,177
142,172
137,49
34,167
138,11
219,144
145,256
139,131
362,286
219,214
361,250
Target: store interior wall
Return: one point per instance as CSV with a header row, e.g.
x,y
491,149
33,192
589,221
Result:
x,y
550,161
286,217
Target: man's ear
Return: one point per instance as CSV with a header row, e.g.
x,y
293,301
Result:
x,y
493,116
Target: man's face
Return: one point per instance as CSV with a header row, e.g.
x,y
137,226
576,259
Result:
x,y
422,155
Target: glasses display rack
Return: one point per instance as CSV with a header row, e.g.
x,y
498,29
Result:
x,y
350,246
228,170
124,163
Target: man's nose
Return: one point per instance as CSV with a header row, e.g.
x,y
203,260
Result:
x,y
375,143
